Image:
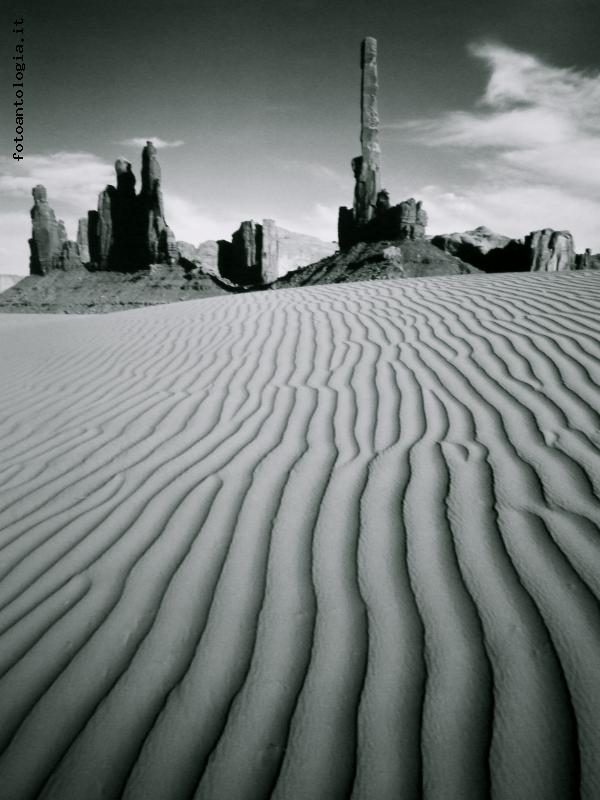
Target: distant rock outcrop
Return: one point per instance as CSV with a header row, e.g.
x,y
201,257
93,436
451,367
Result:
x,y
259,253
201,259
484,249
47,235
587,260
545,250
550,251
372,217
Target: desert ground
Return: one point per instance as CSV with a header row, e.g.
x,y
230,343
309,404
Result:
x,y
326,542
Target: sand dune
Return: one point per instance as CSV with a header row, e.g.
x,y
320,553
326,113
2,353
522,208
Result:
x,y
316,543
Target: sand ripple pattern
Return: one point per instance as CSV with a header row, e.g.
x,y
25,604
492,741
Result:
x,y
336,542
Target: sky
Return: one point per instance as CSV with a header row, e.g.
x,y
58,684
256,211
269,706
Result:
x,y
490,112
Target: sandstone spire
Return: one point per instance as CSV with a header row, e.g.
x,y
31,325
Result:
x,y
368,165
47,234
373,218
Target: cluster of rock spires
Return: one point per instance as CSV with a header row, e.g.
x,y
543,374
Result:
x,y
128,231
372,217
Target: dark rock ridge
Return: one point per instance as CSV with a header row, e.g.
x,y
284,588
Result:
x,y
364,261
545,250
372,217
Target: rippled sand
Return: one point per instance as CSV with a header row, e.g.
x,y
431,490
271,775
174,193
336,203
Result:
x,y
315,543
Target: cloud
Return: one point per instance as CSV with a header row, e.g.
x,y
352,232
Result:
x,y
514,211
533,136
193,224
72,178
319,221
15,229
141,141
315,170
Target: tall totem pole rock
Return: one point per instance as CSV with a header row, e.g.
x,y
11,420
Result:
x,y
47,234
367,166
372,217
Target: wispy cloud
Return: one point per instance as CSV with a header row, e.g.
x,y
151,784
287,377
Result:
x,y
160,144
194,224
72,178
535,135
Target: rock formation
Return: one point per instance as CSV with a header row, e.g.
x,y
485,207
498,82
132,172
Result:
x,y
47,235
103,234
159,241
550,251
261,253
484,249
201,259
367,166
129,230
83,240
587,260
69,257
544,250
372,217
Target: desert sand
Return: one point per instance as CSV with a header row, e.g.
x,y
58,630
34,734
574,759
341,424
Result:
x,y
309,544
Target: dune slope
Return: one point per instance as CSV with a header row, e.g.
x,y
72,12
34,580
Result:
x,y
330,542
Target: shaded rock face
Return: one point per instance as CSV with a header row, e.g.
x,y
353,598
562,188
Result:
x,y
47,234
550,251
260,253
373,218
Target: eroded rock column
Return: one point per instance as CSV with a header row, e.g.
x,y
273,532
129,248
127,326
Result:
x,y
367,167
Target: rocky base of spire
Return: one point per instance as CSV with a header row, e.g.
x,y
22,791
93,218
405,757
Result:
x,y
407,220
